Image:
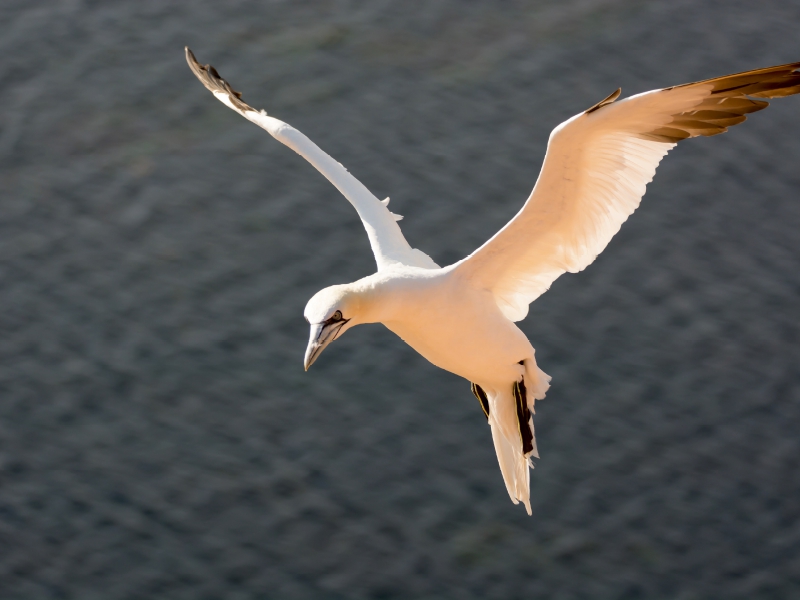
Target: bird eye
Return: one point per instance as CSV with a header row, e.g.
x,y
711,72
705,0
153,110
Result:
x,y
337,316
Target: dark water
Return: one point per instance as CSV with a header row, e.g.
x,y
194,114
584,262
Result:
x,y
158,436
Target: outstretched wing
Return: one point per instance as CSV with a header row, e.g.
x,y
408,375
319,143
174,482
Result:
x,y
385,237
594,176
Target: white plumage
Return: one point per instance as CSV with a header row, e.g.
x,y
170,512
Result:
x,y
461,317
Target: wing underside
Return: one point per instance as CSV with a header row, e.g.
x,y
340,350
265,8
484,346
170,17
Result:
x,y
594,175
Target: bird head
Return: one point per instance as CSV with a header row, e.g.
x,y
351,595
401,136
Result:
x,y
330,312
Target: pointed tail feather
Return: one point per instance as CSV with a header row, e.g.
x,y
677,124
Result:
x,y
514,441
513,466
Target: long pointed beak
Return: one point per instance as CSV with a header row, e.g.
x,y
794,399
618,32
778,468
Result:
x,y
322,334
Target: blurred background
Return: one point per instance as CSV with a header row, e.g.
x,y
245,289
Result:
x,y
158,436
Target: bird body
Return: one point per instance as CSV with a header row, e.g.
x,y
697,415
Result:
x,y
462,317
429,308
458,328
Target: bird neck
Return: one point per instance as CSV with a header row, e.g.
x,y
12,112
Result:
x,y
380,298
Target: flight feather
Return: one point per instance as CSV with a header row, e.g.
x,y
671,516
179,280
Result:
x,y
595,172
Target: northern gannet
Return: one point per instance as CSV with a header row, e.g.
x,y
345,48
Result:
x,y
461,317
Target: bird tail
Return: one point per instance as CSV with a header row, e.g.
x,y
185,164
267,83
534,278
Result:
x,y
513,465
513,434
509,412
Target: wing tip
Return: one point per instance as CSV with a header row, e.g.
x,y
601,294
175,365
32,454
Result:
x,y
214,82
728,100
753,78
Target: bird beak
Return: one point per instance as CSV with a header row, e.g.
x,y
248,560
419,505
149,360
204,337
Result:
x,y
322,334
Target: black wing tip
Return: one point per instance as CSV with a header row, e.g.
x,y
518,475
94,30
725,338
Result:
x,y
213,81
482,398
523,416
767,82
605,101
728,100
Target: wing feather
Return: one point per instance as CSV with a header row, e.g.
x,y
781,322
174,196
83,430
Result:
x,y
387,241
595,172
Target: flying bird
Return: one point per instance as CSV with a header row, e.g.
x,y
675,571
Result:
x,y
461,317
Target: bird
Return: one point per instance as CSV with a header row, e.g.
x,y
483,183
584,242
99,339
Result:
x,y
462,317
